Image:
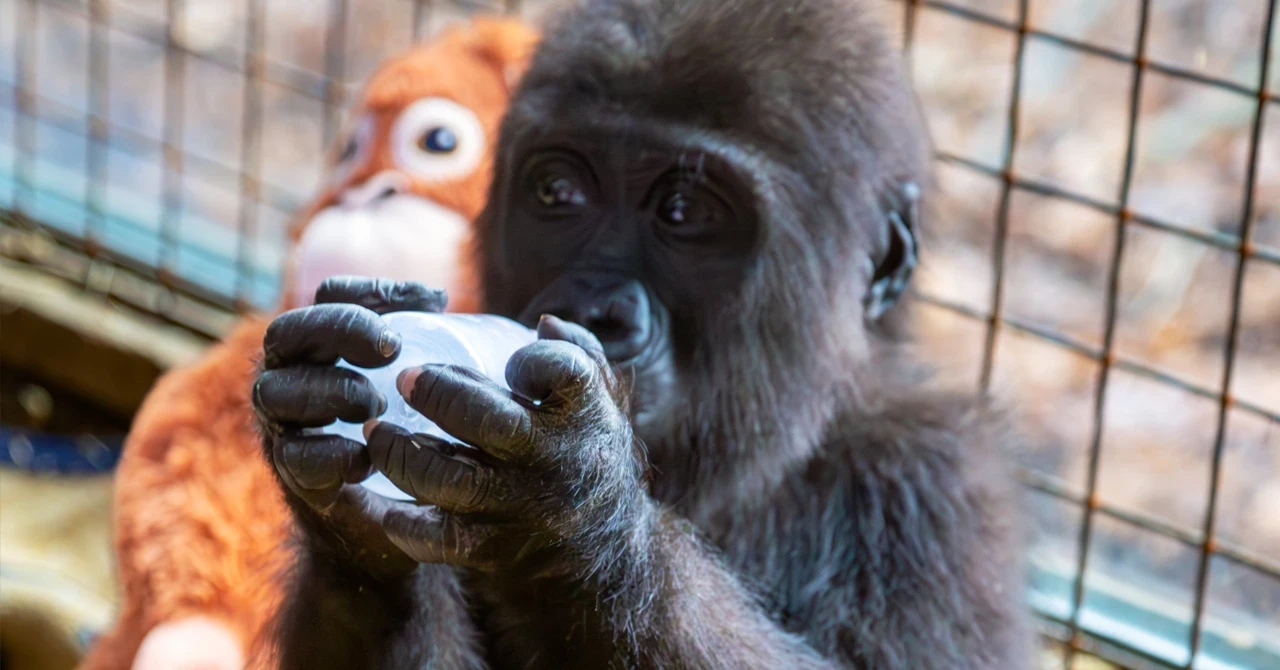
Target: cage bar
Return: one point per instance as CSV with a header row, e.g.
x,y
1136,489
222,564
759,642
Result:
x,y
24,59
335,68
96,137
1211,545
422,10
250,151
1001,238
171,153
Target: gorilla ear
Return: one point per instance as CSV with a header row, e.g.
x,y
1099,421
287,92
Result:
x,y
892,273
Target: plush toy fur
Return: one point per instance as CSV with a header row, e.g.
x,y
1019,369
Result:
x,y
201,530
200,527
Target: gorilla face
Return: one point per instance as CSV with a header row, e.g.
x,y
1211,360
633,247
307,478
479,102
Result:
x,y
635,240
722,225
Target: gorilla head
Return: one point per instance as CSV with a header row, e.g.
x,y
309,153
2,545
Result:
x,y
729,220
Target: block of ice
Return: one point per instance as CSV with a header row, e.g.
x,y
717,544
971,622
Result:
x,y
481,341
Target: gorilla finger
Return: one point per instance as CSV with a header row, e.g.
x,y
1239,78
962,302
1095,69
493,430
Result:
x,y
316,396
554,328
433,536
317,497
468,406
354,514
325,333
555,373
322,463
432,470
382,295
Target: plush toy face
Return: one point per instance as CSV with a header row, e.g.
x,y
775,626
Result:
x,y
412,167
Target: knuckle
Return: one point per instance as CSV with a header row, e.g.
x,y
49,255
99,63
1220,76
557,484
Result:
x,y
472,484
506,429
455,536
354,392
559,363
425,395
309,469
399,524
460,406
386,451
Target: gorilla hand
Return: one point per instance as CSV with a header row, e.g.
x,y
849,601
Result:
x,y
552,478
300,389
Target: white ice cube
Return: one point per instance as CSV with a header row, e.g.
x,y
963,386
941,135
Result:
x,y
481,341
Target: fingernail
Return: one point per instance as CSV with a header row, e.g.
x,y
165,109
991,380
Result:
x,y
368,428
550,327
388,343
405,381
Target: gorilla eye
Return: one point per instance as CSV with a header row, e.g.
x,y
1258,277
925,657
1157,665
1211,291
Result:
x,y
438,141
559,191
692,212
675,209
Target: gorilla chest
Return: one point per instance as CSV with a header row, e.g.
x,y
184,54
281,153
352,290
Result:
x,y
780,556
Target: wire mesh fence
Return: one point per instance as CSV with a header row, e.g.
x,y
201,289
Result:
x,y
1085,617
1107,236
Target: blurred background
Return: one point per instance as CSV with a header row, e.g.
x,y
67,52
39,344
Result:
x,y
1104,251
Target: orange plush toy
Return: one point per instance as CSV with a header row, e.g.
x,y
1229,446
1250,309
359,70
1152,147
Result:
x,y
201,531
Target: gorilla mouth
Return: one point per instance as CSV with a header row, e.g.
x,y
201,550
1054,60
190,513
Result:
x,y
621,346
618,310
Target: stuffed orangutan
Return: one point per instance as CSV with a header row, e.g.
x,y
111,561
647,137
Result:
x,y
201,530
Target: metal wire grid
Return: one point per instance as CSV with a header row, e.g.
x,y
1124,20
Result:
x,y
171,292
155,286
1090,504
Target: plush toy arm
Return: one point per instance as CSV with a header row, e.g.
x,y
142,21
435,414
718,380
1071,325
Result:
x,y
200,526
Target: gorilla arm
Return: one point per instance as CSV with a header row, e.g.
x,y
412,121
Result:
x,y
662,599
355,601
885,548
581,565
342,618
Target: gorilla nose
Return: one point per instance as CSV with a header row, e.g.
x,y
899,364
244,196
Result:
x,y
615,310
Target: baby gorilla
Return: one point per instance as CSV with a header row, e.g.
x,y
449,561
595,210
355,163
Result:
x,y
731,462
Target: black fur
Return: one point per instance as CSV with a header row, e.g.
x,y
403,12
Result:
x,y
808,500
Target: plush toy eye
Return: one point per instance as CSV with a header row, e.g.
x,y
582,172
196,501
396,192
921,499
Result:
x,y
355,149
436,139
348,150
439,141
